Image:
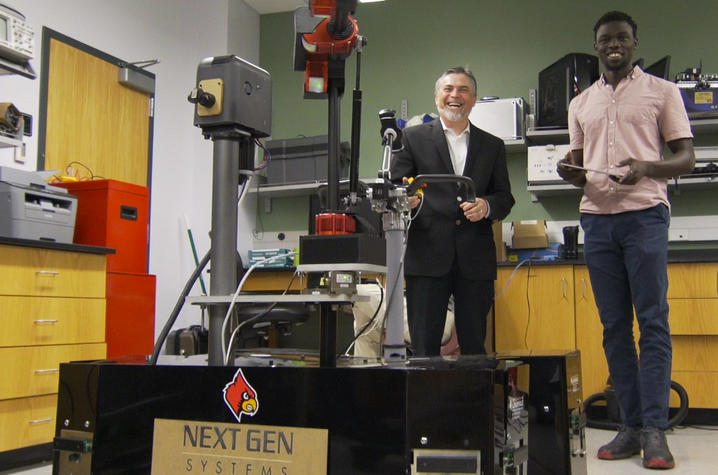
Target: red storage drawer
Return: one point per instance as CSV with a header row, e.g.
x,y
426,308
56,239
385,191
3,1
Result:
x,y
114,214
130,320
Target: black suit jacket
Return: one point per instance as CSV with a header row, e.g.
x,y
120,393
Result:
x,y
440,232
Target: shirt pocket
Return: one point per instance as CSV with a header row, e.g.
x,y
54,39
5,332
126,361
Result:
x,y
639,114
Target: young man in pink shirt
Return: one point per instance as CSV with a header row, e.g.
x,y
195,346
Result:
x,y
619,125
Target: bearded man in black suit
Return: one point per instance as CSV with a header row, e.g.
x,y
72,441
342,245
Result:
x,y
450,248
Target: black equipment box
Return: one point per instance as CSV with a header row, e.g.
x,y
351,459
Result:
x,y
561,82
557,441
303,160
358,248
192,340
700,98
463,415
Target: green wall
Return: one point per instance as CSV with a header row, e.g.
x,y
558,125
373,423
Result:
x,y
505,43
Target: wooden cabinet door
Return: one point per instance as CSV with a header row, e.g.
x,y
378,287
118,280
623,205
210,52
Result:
x,y
536,309
589,336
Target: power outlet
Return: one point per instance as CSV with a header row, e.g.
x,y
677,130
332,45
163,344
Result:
x,y
20,153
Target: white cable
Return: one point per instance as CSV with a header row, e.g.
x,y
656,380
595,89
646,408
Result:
x,y
239,289
236,330
506,285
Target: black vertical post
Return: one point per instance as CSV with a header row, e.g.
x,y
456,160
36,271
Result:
x,y
328,335
223,277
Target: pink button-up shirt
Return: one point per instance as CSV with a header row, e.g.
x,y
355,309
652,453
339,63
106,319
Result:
x,y
632,121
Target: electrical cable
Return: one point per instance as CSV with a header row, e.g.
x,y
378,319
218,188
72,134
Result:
x,y
176,310
255,318
511,277
239,289
676,420
162,337
371,320
267,156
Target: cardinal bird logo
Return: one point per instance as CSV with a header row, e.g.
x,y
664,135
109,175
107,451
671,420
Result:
x,y
241,397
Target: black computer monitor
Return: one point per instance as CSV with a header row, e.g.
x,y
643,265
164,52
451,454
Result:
x,y
660,68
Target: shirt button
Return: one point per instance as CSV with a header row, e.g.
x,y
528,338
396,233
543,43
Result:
x,y
458,222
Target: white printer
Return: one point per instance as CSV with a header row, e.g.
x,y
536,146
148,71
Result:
x,y
32,209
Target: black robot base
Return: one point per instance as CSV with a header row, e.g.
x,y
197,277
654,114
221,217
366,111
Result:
x,y
464,415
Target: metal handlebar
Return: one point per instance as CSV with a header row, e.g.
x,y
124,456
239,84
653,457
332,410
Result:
x,y
465,181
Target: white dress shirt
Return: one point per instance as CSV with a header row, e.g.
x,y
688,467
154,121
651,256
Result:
x,y
458,147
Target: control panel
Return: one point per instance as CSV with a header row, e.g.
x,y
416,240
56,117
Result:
x,y
16,36
542,161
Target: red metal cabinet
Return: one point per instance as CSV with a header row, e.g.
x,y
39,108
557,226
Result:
x,y
130,320
114,214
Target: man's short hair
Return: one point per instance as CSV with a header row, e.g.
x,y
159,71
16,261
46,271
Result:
x,y
456,70
615,16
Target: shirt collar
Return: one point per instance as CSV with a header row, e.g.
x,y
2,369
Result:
x,y
635,72
447,129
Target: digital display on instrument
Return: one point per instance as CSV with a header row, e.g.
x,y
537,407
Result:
x,y
3,29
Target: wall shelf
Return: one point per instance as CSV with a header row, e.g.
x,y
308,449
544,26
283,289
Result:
x,y
515,146
8,67
684,182
704,126
6,142
547,136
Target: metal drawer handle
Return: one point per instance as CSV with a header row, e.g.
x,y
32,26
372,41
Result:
x,y
564,282
40,421
46,371
40,321
52,273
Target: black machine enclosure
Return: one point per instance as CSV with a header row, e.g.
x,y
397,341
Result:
x,y
378,418
561,82
557,441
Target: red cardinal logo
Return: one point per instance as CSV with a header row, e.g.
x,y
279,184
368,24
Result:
x,y
241,397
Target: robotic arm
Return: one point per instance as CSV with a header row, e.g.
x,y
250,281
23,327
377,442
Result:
x,y
325,33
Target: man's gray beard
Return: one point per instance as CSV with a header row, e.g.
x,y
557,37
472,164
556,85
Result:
x,y
451,115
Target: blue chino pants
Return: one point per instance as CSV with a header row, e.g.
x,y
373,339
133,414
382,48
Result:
x,y
627,257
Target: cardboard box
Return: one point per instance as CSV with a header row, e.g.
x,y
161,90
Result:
x,y
529,234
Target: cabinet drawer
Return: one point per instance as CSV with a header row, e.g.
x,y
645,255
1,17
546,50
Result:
x,y
51,321
693,316
32,271
695,280
701,386
695,353
27,421
34,370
